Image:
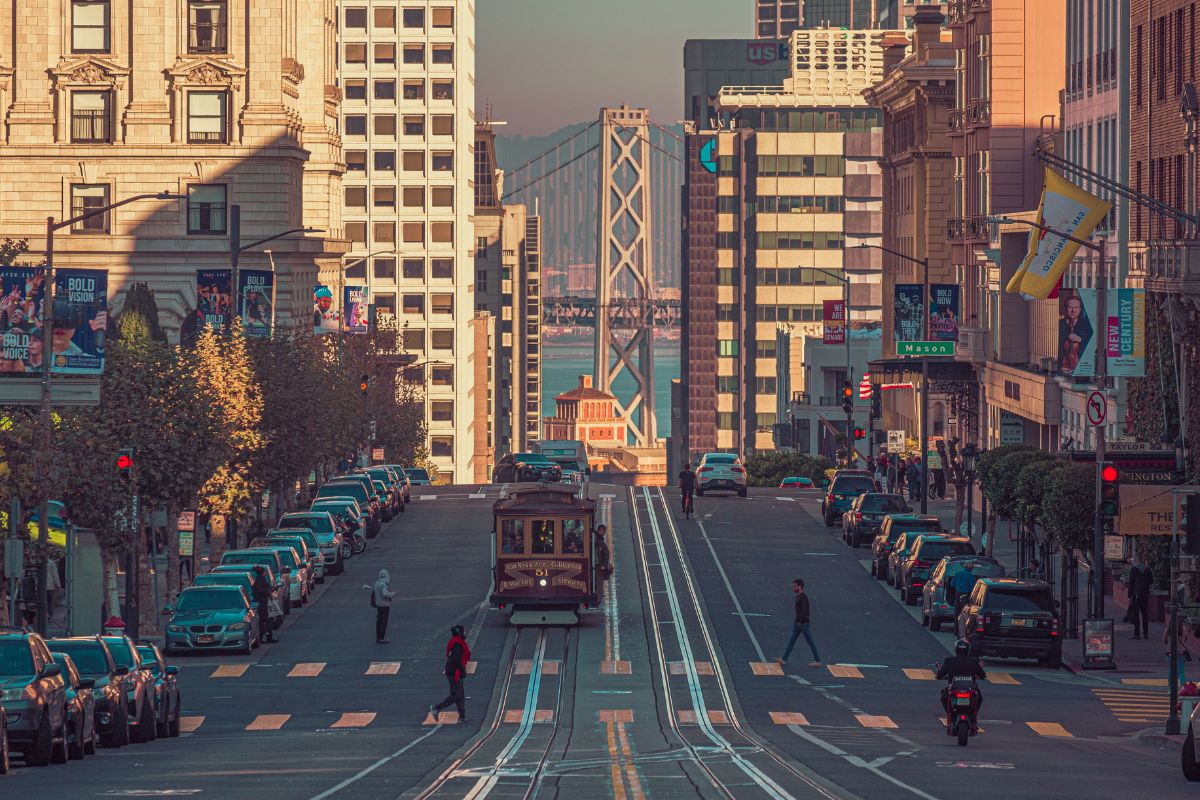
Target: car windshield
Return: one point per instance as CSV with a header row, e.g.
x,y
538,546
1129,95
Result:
x,y
884,503
266,559
916,525
222,579
147,654
344,488
1020,602
15,658
209,600
314,522
345,509
380,487
720,459
852,484
935,551
288,557
87,655
533,458
122,653
417,474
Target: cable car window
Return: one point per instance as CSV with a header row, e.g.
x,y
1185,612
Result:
x,y
573,537
541,534
512,533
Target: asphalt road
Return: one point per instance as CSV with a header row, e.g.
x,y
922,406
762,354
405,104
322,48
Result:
x,y
666,691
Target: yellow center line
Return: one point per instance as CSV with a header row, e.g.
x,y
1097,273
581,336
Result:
x,y
268,722
618,782
844,671
635,783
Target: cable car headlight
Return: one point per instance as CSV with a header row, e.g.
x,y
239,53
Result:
x,y
542,582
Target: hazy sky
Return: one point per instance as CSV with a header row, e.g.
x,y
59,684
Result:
x,y
543,64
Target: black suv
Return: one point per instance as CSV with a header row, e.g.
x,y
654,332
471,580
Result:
x,y
889,531
862,521
95,661
1012,618
34,695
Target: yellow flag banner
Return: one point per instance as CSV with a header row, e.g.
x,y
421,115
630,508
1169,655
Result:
x,y
1065,208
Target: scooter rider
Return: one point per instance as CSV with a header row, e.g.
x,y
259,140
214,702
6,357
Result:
x,y
961,664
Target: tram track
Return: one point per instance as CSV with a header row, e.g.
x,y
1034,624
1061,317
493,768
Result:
x,y
734,760
515,762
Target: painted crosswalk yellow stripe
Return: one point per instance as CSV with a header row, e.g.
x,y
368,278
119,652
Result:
x,y
230,671
1002,678
268,722
383,668
306,670
919,674
1049,729
352,719
844,671
788,718
1144,681
190,724
875,721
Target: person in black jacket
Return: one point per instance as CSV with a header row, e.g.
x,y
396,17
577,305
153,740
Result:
x,y
262,601
963,664
458,653
801,627
1141,578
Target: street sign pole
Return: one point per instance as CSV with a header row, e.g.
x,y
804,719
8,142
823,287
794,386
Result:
x,y
1102,385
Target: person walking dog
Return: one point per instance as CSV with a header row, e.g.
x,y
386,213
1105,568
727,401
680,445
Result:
x,y
381,601
801,626
458,653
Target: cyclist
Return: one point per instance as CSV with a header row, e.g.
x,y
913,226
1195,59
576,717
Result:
x,y
687,486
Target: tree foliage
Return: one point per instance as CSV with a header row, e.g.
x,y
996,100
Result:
x,y
1002,487
1067,502
770,467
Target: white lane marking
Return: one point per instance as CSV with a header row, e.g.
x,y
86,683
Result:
x,y
477,496
368,770
429,497
786,499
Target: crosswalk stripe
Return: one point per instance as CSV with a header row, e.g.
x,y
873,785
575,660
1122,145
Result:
x,y
1049,729
190,724
843,671
1002,678
351,719
702,668
383,668
540,715
471,665
788,718
765,668
919,674
428,497
307,670
875,721
268,722
1144,681
616,668
230,671
443,717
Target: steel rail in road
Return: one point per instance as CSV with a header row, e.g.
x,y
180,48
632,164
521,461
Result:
x,y
502,765
737,755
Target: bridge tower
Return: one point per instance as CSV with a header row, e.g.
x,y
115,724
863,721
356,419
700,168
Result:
x,y
624,272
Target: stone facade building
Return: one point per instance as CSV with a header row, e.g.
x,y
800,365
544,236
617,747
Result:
x,y
221,101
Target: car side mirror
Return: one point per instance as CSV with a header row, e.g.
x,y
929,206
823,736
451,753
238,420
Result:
x,y
121,671
51,671
87,683
172,670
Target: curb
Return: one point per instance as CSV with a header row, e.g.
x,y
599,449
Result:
x,y
1155,737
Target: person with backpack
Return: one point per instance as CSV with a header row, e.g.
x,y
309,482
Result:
x,y
458,653
381,601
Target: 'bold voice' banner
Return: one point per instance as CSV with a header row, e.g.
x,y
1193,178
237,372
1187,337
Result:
x,y
22,295
355,310
908,311
214,297
944,312
255,289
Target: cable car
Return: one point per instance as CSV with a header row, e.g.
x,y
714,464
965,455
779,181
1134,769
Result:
x,y
542,554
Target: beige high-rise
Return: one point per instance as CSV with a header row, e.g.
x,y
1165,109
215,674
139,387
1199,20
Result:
x,y
225,102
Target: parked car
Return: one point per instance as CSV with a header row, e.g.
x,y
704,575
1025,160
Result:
x,y
720,472
357,489
139,688
847,484
212,618
322,525
168,704
1012,618
1190,760
924,554
5,760
798,482
395,484
403,481
275,605
418,476
240,579
33,692
306,546
521,467
861,521
266,558
81,709
889,531
95,661
295,571
937,600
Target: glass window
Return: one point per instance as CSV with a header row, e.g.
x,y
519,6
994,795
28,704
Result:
x,y
573,532
206,208
414,161
91,117
356,232
414,305
385,90
87,197
414,269
90,26
442,196
512,536
355,89
414,232
442,124
442,54
356,196
385,125
541,535
356,18
442,340
414,341
356,160
414,196
442,161
383,197
356,125
441,232
441,304
355,52
414,89
414,54
442,90
385,268
384,233
442,17
207,26
414,126
208,117
357,269
385,305
385,18
441,267
441,376
441,410
385,160
385,53
414,18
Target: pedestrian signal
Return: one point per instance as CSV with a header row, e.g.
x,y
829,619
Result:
x,y
860,433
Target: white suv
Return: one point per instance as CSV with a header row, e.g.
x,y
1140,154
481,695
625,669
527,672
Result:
x,y
721,472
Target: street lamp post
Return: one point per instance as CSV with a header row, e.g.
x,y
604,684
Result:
x,y
845,281
969,454
342,287
42,472
923,447
236,248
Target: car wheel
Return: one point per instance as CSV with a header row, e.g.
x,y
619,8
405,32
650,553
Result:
x,y
90,747
61,752
404,507
338,565
699,492
1191,770
1053,661
247,646
163,726
741,492
39,752
287,604
4,755
77,750
173,724
347,550
119,736
146,731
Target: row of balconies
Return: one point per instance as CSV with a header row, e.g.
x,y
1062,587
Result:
x,y
969,229
977,113
959,10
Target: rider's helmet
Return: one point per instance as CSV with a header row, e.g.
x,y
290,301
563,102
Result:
x,y
457,630
962,647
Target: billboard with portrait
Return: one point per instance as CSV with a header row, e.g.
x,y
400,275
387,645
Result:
x,y
1077,332
80,321
22,294
325,317
255,290
908,309
214,297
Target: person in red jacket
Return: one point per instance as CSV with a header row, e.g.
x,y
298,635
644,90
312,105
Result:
x,y
457,656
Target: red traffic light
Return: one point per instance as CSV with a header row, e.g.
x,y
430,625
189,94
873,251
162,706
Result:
x,y
860,433
124,461
1109,473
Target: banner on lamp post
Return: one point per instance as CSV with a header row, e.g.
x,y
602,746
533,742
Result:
x,y
834,317
908,310
255,289
1126,338
354,309
944,312
22,295
214,297
325,318
1077,332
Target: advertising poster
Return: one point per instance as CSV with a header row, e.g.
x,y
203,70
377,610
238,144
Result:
x,y
22,292
1076,333
214,297
907,311
1126,332
325,319
80,321
255,288
354,301
944,312
835,322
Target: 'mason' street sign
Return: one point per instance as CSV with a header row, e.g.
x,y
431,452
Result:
x,y
924,348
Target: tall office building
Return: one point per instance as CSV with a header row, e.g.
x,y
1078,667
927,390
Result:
x,y
406,73
776,19
508,277
770,232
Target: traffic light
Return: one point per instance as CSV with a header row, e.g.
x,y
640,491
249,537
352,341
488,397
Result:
x,y
876,401
860,433
848,397
125,462
1189,508
364,384
1110,490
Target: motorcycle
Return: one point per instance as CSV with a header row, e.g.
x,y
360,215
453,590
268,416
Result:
x,y
962,706
353,542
